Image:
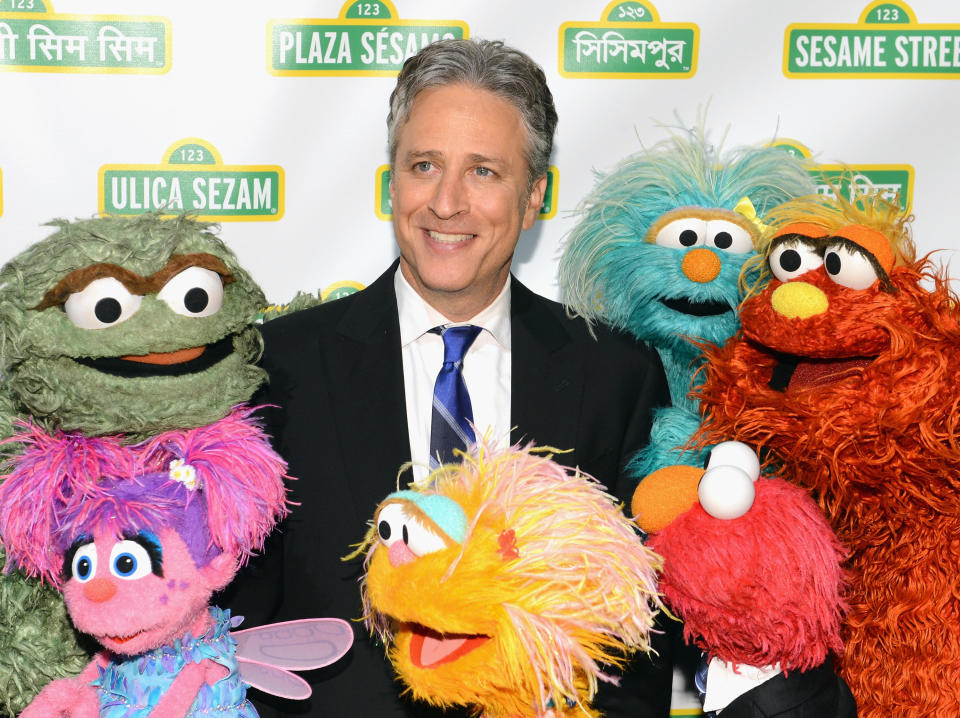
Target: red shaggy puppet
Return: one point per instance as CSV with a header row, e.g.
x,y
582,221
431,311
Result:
x,y
847,373
753,569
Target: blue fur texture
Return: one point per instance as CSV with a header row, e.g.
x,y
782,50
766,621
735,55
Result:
x,y
609,272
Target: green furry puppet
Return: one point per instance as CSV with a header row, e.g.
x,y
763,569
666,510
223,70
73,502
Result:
x,y
659,251
129,326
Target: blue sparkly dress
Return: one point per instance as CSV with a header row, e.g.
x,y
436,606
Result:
x,y
130,688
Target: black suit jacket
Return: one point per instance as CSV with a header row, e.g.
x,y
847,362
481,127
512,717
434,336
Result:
x,y
336,376
817,693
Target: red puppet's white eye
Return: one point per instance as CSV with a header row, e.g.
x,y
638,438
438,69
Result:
x,y
790,259
848,267
726,490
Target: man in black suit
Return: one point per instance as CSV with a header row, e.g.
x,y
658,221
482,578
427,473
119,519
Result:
x,y
470,134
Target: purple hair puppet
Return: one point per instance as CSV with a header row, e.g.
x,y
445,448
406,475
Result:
x,y
138,538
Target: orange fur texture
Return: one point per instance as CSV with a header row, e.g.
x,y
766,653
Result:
x,y
876,438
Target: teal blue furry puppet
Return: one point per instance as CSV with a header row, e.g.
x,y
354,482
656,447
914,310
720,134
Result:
x,y
659,250
113,326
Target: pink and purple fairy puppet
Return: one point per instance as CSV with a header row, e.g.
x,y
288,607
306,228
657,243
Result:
x,y
138,538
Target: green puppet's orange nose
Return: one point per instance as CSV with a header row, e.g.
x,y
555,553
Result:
x,y
799,300
700,265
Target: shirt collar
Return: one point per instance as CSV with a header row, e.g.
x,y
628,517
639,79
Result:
x,y
417,317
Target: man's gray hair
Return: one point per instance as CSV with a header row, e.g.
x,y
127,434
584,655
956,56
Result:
x,y
492,66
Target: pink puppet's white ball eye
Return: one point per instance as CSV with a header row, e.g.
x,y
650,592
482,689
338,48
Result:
x,y
735,453
726,492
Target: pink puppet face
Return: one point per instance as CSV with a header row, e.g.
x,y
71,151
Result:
x,y
137,592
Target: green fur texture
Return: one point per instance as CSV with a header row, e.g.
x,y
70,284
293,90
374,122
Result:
x,y
38,348
37,642
44,382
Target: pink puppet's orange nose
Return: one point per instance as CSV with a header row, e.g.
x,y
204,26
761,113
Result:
x,y
99,589
700,265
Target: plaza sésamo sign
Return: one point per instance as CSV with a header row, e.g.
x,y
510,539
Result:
x,y
367,40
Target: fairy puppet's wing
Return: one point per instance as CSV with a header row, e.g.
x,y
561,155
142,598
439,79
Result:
x,y
267,654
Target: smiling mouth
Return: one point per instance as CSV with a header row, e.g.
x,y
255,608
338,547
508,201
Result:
x,y
176,363
124,639
429,649
444,238
697,309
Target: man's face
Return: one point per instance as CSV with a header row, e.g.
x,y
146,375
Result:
x,y
460,199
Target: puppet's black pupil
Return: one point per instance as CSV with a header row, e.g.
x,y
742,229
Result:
x,y
125,565
406,536
108,310
83,567
688,238
723,240
383,528
196,300
832,263
790,260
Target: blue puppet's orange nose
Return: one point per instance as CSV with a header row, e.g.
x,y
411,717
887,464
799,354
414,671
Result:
x,y
700,265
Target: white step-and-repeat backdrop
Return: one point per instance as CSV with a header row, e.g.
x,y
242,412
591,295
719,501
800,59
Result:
x,y
269,117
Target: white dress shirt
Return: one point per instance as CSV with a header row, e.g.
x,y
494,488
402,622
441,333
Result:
x,y
725,682
486,368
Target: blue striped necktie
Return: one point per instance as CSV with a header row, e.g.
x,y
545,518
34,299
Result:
x,y
452,412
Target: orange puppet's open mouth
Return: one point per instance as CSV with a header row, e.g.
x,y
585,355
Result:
x,y
429,649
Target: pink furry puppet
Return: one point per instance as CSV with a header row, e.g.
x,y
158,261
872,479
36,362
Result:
x,y
753,569
138,538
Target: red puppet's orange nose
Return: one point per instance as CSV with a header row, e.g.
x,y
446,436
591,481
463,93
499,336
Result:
x,y
700,265
664,495
99,589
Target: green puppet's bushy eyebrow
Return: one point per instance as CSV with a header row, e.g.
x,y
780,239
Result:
x,y
80,278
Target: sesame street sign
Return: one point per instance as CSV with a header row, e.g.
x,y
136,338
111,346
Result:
x,y
887,42
367,39
192,177
35,39
629,42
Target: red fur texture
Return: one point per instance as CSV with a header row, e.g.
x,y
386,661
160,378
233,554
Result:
x,y
878,444
760,589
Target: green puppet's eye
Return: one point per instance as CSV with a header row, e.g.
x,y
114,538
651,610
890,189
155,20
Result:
x,y
194,292
101,304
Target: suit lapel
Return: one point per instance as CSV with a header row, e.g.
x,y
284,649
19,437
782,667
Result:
x,y
547,375
366,384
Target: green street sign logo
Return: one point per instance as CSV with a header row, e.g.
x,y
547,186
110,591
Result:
x,y
35,39
893,182
339,290
886,42
367,40
192,177
383,207
629,42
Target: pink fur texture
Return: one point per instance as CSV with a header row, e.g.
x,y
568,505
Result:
x,y
761,589
131,615
63,484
